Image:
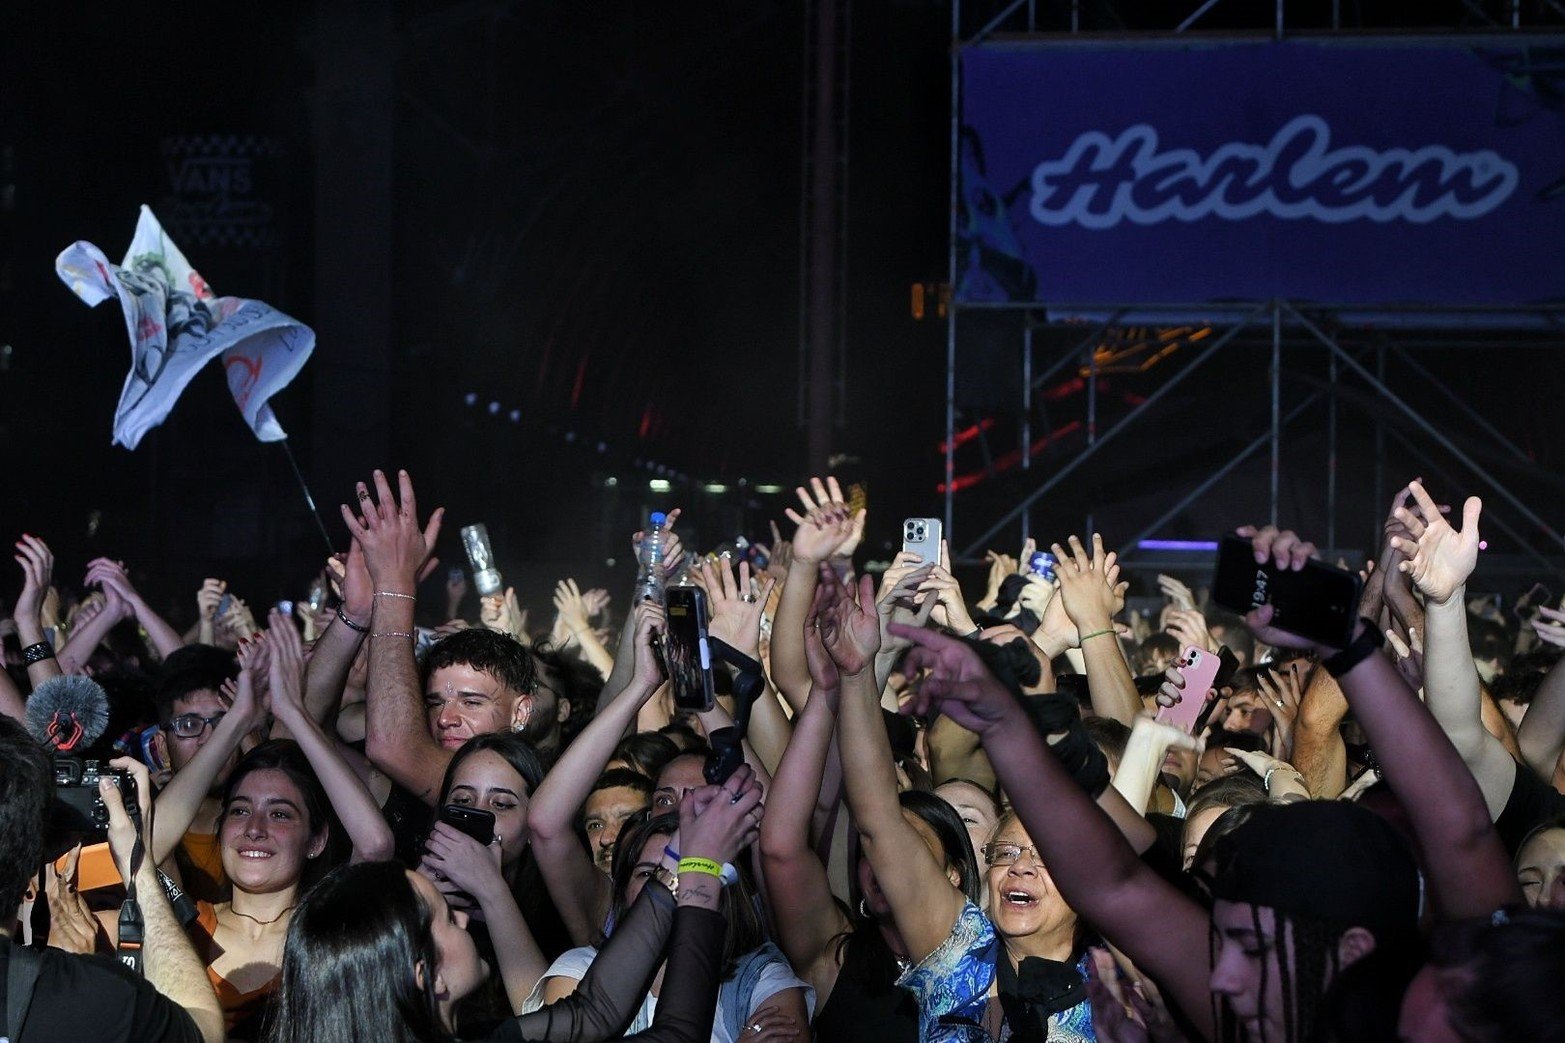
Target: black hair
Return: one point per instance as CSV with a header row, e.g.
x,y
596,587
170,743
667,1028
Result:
x,y
1522,677
285,756
1487,640
1160,642
500,656
1236,635
1513,963
191,669
1109,734
682,735
26,790
743,931
1232,791
349,964
617,778
515,750
1307,964
646,752
1228,822
579,685
1249,742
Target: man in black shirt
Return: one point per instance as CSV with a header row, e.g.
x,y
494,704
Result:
x,y
51,995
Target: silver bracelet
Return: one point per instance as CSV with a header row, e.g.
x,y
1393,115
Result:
x,y
350,624
394,594
391,633
1274,769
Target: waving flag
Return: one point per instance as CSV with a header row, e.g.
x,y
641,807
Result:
x,y
177,325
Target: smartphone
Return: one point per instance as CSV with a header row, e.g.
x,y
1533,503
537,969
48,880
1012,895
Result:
x,y
1199,668
1319,602
922,536
475,822
224,603
685,650
286,608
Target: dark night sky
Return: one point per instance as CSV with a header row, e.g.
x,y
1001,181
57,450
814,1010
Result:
x,y
595,223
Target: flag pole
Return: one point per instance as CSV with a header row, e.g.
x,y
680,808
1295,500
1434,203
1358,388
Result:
x,y
309,498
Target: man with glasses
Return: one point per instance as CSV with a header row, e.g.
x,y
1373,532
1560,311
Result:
x,y
189,706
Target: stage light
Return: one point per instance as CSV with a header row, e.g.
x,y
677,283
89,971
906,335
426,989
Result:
x,y
471,398
516,416
494,409
570,436
611,481
715,487
768,488
660,485
1186,545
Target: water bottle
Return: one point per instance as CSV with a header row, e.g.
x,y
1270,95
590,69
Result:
x,y
649,571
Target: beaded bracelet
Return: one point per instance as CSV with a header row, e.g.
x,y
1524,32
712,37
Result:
x,y
394,594
391,633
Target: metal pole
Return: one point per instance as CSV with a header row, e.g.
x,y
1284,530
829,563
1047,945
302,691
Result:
x,y
1086,454
1212,479
956,98
1279,19
1380,444
1027,417
1276,403
1195,16
1434,433
1092,415
1331,455
1456,400
822,187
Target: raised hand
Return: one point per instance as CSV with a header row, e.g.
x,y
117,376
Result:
x,y
820,533
736,608
285,671
1089,585
950,611
718,822
453,857
502,613
651,621
396,550
1283,690
597,599
673,550
1176,592
106,573
825,679
1550,625
1000,566
958,685
255,669
1439,558
37,563
1189,626
570,609
827,498
851,632
209,597
897,605
238,620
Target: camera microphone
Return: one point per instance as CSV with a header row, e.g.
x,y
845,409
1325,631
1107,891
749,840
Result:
x,y
68,712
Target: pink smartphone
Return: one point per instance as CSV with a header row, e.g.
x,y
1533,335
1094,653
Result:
x,y
1199,668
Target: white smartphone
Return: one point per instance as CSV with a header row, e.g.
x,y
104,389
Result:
x,y
922,536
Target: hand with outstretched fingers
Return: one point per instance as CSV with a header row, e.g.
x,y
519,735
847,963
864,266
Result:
x,y
959,685
1090,587
828,497
397,550
851,632
1439,558
735,606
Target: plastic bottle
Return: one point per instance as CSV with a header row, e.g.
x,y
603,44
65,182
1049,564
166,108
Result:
x,y
650,576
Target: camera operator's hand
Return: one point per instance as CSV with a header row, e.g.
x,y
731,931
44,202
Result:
x,y
122,831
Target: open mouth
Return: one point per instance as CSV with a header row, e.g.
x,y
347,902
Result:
x,y
254,853
1018,899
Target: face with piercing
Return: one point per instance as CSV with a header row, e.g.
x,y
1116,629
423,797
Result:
x,y
462,701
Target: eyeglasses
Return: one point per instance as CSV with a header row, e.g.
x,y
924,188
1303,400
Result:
x,y
1000,854
191,725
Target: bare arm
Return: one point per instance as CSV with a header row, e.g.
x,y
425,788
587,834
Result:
x,y
169,961
164,638
806,917
1318,750
580,892
37,563
1541,737
397,737
823,529
1142,762
923,900
357,810
1091,593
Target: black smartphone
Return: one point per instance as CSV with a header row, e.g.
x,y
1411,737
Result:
x,y
1319,602
685,650
475,822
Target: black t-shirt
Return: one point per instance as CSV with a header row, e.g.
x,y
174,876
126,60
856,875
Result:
x,y
93,997
1532,802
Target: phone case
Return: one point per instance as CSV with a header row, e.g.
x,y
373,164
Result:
x,y
475,822
686,652
922,536
1318,602
1199,668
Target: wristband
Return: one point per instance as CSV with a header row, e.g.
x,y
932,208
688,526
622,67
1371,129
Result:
x,y
350,624
391,633
1096,633
729,875
394,594
37,653
1368,642
1274,769
700,865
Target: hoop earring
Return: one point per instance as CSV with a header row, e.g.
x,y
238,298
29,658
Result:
x,y
864,909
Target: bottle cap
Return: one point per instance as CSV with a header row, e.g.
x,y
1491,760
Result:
x,y
658,518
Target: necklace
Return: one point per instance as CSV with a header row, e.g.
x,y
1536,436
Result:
x,y
263,923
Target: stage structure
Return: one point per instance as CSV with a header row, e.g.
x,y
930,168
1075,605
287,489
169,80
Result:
x,y
1347,196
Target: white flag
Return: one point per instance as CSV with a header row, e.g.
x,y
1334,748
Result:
x,y
176,326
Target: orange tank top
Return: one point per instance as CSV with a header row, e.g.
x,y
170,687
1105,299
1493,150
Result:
x,y
236,1005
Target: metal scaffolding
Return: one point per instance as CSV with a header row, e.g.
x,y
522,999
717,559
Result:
x,y
1274,324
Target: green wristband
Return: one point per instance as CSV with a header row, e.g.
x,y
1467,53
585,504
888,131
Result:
x,y
1096,633
700,865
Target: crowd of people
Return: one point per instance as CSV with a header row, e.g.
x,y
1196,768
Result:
x,y
914,812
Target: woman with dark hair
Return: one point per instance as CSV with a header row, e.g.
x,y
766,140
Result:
x,y
758,986
375,955
853,957
285,808
500,886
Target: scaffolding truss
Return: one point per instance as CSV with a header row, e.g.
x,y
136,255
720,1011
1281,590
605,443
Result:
x,y
1281,324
